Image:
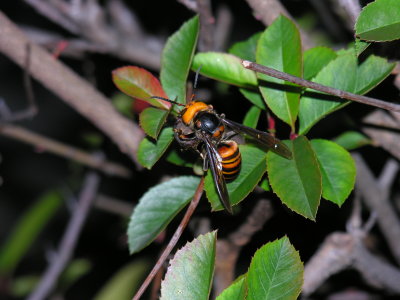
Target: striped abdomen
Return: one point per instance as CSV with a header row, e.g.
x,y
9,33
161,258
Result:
x,y
231,159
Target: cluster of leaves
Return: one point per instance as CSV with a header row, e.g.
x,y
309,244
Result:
x,y
275,271
319,168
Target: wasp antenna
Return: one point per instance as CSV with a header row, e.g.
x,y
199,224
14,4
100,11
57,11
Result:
x,y
196,77
168,100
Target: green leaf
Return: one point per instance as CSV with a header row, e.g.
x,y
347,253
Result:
x,y
123,104
254,97
140,84
176,59
297,182
189,276
246,49
351,140
276,272
379,21
344,74
178,158
338,170
27,230
236,291
279,47
22,286
125,282
157,207
224,67
360,46
264,184
253,168
252,116
152,120
150,151
315,59
76,269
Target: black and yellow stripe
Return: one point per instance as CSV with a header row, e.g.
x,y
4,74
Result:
x,y
231,159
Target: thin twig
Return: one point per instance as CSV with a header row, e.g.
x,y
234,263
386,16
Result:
x,y
70,238
377,199
319,87
47,144
173,241
71,88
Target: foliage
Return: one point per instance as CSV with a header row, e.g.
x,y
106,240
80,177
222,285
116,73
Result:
x,y
319,169
275,272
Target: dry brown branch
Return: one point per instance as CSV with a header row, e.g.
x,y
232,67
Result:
x,y
71,88
223,27
268,10
343,250
69,239
45,144
377,200
113,29
228,249
384,131
113,205
206,38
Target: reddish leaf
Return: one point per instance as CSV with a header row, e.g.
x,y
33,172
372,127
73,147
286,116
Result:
x,y
140,84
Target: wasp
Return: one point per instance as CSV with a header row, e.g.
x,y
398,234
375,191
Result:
x,y
199,127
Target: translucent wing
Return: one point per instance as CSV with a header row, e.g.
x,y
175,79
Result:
x,y
262,137
216,170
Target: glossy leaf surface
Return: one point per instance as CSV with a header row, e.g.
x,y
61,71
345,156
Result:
x,y
379,21
253,167
279,47
176,59
224,67
152,120
157,207
254,97
351,140
276,272
150,151
252,116
342,73
236,291
315,59
140,84
338,170
297,182
189,276
246,49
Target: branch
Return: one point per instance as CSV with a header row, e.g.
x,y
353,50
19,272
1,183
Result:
x,y
69,240
173,241
378,202
228,249
71,88
113,29
46,144
319,87
268,10
207,22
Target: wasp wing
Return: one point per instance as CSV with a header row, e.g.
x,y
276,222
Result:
x,y
215,165
263,137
